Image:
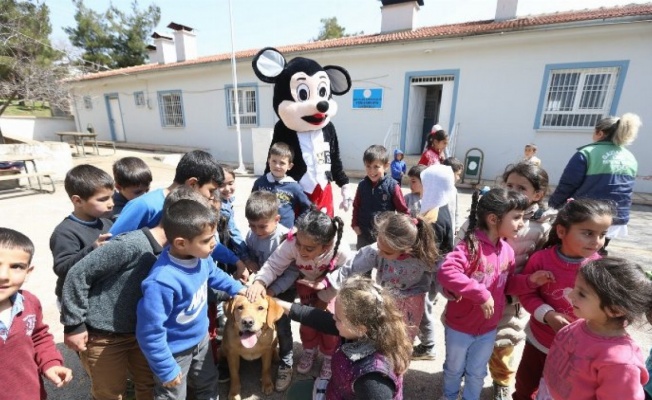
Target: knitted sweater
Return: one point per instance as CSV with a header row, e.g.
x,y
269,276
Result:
x,y
102,291
27,349
71,241
289,193
551,296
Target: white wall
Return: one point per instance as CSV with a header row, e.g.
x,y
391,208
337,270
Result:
x,y
36,128
500,78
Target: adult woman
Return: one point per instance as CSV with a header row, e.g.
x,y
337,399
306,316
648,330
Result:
x,y
604,170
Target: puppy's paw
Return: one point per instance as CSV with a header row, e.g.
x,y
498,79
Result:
x,y
234,396
268,387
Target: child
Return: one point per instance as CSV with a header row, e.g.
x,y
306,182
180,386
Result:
x,y
413,199
529,154
293,201
315,251
594,357
171,323
264,237
457,167
478,273
574,239
435,148
373,350
532,181
99,302
26,345
403,256
438,188
604,170
132,179
226,190
376,193
90,190
398,166
197,169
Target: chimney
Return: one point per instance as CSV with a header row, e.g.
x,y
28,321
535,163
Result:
x,y
506,10
151,54
164,49
399,15
185,41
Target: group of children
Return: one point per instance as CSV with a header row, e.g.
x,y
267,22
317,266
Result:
x,y
135,289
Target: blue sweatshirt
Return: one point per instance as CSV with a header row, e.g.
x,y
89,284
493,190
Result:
x,y
289,193
398,167
142,212
237,243
171,316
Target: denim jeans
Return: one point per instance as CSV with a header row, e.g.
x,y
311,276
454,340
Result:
x,y
429,320
466,355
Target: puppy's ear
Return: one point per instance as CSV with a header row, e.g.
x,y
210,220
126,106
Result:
x,y
229,307
274,312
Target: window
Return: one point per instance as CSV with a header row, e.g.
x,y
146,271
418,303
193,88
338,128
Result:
x,y
576,98
88,103
139,99
171,108
248,105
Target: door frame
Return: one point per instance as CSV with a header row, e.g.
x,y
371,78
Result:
x,y
107,100
406,97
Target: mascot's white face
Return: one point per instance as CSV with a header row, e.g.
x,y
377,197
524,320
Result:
x,y
312,105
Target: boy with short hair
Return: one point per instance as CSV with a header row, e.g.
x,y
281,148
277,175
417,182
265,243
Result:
x,y
293,201
99,303
398,166
529,154
376,193
197,169
265,235
26,345
132,179
413,199
90,190
171,323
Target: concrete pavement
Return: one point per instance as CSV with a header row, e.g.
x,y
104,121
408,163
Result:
x,y
37,215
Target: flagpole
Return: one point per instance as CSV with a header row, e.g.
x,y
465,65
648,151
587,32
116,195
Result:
x,y
241,168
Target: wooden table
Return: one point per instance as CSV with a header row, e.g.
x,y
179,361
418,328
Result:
x,y
25,172
78,139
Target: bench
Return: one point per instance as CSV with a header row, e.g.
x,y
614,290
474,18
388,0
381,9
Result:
x,y
97,143
32,175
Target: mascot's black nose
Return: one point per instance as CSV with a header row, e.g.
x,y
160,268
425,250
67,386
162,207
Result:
x,y
322,106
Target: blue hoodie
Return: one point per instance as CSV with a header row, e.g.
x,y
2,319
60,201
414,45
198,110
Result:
x,y
398,167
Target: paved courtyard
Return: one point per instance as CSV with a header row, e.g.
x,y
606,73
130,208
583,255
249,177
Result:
x,y
37,215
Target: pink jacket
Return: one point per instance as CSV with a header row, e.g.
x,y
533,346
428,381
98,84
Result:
x,y
583,365
490,279
551,296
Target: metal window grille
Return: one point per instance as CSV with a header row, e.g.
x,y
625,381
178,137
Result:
x,y
139,99
88,103
248,106
578,98
171,109
431,79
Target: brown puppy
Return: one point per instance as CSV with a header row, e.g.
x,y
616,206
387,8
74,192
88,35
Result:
x,y
250,333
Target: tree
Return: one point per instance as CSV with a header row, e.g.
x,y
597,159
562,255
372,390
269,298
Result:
x,y
332,30
28,64
114,38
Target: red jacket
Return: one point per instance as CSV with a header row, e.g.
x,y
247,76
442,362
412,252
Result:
x,y
30,350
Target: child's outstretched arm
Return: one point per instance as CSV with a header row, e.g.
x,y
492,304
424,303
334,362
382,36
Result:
x,y
520,284
276,264
315,318
364,261
285,281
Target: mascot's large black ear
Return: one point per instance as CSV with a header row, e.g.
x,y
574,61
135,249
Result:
x,y
268,64
340,79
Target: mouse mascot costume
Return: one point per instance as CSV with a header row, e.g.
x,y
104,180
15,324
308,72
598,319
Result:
x,y
303,101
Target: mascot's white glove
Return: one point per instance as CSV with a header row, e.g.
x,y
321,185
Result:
x,y
347,198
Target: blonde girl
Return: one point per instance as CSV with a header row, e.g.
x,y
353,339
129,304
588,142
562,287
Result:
x,y
373,349
594,357
316,250
404,257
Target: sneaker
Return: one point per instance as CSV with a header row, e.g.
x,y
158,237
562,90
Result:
x,y
421,352
501,392
325,371
306,361
283,378
319,389
223,374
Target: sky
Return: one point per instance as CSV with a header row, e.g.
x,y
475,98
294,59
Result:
x,y
260,23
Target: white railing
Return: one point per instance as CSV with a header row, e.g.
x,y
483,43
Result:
x,y
392,137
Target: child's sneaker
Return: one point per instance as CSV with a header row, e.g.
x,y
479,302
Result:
x,y
325,371
319,389
421,352
283,378
501,392
306,361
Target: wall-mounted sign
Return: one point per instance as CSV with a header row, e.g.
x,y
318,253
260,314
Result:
x,y
367,98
